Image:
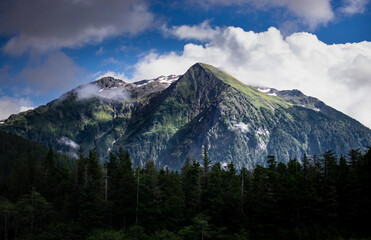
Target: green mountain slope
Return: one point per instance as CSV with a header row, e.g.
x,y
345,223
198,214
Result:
x,y
168,119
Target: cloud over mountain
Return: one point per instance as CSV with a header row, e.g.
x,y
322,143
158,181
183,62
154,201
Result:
x,y
10,105
338,74
92,90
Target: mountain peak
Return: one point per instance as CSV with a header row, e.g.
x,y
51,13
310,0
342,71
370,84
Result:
x,y
109,82
216,72
206,67
220,74
203,65
166,120
292,93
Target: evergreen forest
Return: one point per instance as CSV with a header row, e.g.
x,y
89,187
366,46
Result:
x,y
44,195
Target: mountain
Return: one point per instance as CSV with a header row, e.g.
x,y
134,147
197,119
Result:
x,y
169,118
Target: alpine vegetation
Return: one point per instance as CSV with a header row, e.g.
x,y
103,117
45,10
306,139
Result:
x,y
168,119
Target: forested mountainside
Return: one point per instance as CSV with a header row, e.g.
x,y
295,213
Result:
x,y
170,118
18,154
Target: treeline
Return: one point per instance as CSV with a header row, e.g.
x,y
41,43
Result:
x,y
17,152
321,197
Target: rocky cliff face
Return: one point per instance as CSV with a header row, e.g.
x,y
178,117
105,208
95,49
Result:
x,y
169,118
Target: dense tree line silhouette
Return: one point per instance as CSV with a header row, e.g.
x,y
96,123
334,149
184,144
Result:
x,y
318,197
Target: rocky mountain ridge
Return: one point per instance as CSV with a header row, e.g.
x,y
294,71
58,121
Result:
x,y
170,118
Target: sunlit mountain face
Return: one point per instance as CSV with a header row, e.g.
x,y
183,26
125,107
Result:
x,y
170,118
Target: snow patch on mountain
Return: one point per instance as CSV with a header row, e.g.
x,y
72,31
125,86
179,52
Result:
x,y
264,90
268,91
262,145
143,83
311,107
243,127
161,79
263,136
262,132
168,79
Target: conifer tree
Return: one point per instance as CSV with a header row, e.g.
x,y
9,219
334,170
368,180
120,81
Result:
x,y
191,180
125,190
33,210
205,160
91,199
354,155
214,202
172,200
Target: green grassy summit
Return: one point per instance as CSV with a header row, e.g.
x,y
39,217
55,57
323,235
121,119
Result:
x,y
260,99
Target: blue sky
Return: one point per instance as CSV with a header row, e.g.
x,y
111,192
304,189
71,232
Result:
x,y
321,47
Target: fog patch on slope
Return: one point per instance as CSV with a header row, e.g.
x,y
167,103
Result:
x,y
68,142
91,90
71,147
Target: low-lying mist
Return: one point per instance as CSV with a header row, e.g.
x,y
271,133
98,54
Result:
x,y
92,90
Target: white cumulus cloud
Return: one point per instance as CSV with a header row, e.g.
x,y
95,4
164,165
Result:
x,y
338,74
11,105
